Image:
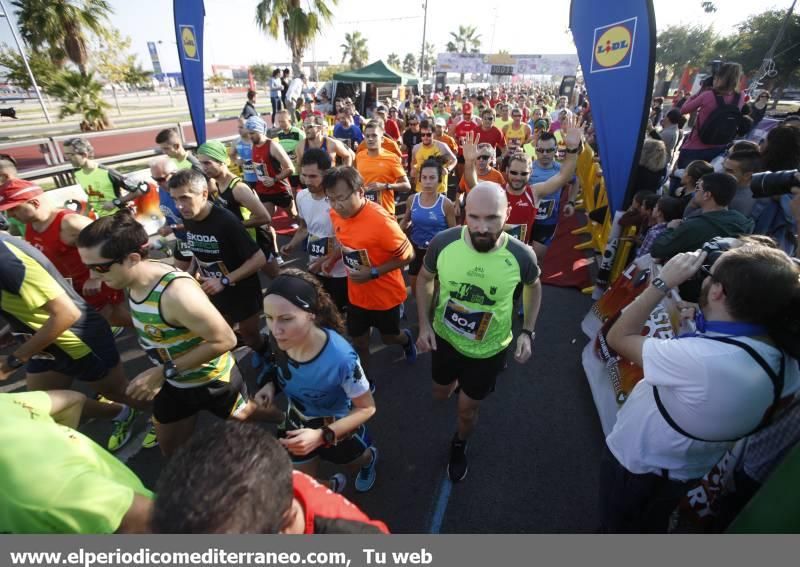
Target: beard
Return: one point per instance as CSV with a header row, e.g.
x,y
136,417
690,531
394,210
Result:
x,y
483,241
518,184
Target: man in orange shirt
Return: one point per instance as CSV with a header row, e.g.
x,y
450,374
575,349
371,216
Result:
x,y
382,171
374,251
387,143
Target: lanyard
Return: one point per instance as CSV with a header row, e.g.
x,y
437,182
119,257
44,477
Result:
x,y
731,328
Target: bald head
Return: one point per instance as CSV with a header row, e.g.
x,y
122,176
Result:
x,y
486,197
487,211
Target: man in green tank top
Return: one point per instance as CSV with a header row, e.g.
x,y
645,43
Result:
x,y
182,333
169,141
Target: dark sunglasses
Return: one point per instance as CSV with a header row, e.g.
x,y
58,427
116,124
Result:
x,y
105,267
519,173
484,157
545,150
426,134
162,179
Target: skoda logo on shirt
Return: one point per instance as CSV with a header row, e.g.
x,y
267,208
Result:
x,y
613,46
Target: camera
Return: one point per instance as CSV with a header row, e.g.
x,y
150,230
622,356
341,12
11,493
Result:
x,y
769,183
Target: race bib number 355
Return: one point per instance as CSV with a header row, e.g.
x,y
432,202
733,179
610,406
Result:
x,y
466,322
354,260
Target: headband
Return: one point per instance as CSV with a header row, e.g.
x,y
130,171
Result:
x,y
295,290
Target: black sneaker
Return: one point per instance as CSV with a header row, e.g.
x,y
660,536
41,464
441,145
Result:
x,y
457,467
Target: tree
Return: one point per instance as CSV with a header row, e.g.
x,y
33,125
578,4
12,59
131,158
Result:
x,y
110,61
216,81
708,7
299,27
409,63
327,73
467,40
59,27
678,46
82,95
135,75
261,73
430,60
12,68
394,61
355,47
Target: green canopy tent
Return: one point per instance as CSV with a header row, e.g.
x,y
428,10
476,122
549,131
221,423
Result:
x,y
379,73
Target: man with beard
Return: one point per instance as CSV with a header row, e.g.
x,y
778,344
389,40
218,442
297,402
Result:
x,y
273,168
478,268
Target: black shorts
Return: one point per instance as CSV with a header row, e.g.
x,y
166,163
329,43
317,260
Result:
x,y
476,376
282,200
336,288
543,233
241,301
173,404
91,367
345,451
416,264
360,321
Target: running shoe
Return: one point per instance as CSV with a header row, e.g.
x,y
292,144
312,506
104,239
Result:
x,y
338,482
457,467
122,431
150,440
117,331
366,476
411,348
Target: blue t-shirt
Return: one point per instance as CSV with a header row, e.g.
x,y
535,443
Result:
x,y
170,211
353,133
427,222
324,386
549,205
245,153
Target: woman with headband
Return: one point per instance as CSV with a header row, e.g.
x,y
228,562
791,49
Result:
x,y
321,375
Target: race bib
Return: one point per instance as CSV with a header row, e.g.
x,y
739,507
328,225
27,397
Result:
x,y
466,322
518,231
354,260
248,166
213,269
157,355
260,170
319,246
546,209
371,196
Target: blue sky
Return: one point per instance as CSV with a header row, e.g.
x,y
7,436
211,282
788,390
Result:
x,y
232,38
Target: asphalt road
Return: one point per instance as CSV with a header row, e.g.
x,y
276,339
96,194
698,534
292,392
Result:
x,y
534,457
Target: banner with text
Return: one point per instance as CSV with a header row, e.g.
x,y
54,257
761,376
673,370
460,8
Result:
x,y
189,15
616,44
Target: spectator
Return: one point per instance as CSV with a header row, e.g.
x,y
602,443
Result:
x,y
652,166
250,106
672,131
689,178
758,107
294,92
742,165
640,212
275,92
656,110
666,210
285,78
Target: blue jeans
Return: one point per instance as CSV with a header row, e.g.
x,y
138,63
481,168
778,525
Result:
x,y
276,106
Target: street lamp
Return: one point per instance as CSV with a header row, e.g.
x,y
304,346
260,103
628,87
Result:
x,y
5,15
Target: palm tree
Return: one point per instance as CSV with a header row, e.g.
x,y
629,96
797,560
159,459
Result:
x,y
81,94
299,27
394,61
355,46
409,63
430,60
59,27
467,40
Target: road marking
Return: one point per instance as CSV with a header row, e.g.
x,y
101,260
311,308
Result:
x,y
441,504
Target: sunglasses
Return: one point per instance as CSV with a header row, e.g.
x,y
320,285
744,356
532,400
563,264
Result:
x,y
426,134
546,150
105,267
162,179
484,157
413,123
519,173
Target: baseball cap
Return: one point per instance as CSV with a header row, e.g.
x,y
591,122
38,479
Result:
x,y
17,192
466,108
255,124
439,122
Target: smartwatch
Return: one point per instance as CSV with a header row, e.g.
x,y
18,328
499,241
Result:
x,y
13,362
374,274
225,280
170,370
117,203
659,284
328,436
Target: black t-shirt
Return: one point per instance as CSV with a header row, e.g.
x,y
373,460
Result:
x,y
411,139
249,110
221,244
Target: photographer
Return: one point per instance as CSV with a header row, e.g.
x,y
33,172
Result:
x,y
703,391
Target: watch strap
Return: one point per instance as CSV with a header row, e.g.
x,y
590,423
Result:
x,y
660,285
531,334
13,362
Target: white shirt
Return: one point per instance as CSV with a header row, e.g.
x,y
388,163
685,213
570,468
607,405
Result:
x,y
316,214
295,89
712,390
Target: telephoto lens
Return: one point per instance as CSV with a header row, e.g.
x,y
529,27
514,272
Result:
x,y
771,183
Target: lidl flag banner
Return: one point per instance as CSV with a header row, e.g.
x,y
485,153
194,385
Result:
x,y
189,15
616,44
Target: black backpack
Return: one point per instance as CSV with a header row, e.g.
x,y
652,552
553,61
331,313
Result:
x,y
722,125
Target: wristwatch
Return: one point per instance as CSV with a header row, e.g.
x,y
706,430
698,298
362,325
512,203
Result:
x,y
328,436
13,362
659,284
170,370
374,274
386,186
117,203
226,281
531,334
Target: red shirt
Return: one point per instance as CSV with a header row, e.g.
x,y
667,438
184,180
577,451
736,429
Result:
x,y
392,128
461,130
493,136
267,166
523,213
331,513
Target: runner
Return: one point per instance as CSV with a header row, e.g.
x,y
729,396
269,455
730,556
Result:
x,y
242,154
324,252
273,167
240,200
459,128
381,172
503,118
347,132
374,251
162,168
428,213
195,495
329,401
440,134
226,259
485,160
60,338
54,233
411,137
387,143
478,268
289,137
489,133
58,481
427,149
517,129
169,141
177,326
315,128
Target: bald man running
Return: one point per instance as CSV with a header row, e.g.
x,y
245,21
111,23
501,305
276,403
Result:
x,y
478,267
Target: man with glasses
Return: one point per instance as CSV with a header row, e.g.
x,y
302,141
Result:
x,y
61,338
374,251
381,170
315,128
516,129
430,148
162,168
544,168
491,134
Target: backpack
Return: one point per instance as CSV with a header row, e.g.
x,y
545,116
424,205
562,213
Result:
x,y
723,124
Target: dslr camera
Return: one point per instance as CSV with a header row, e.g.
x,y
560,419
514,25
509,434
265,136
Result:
x,y
771,183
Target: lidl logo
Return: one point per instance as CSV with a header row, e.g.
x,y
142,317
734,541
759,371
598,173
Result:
x,y
191,50
613,46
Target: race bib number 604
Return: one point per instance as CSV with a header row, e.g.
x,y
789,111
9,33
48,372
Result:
x,y
466,322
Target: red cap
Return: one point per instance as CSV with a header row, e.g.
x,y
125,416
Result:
x,y
18,192
466,108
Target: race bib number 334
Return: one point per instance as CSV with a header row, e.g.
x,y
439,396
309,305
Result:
x,y
466,322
